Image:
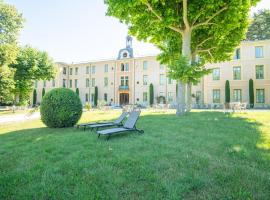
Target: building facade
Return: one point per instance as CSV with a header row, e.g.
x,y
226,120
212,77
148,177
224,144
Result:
x,y
126,79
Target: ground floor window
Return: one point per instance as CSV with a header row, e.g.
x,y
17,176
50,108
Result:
x,y
145,96
64,83
70,83
198,96
237,95
260,96
216,96
92,97
105,97
86,97
170,96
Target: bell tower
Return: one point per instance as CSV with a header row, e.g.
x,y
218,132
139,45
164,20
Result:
x,y
128,51
128,42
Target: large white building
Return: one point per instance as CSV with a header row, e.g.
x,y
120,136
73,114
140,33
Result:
x,y
126,80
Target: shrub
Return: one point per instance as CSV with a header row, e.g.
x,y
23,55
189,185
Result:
x,y
60,107
227,92
151,94
87,106
251,93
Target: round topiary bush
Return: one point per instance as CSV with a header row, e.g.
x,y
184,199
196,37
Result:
x,y
60,107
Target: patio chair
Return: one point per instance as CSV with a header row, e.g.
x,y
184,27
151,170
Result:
x,y
118,121
130,125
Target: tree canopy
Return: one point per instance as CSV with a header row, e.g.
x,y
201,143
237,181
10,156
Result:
x,y
260,26
210,29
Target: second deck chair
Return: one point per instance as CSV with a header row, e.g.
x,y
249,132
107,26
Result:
x,y
118,121
130,125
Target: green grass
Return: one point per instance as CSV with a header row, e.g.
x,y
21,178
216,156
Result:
x,y
204,155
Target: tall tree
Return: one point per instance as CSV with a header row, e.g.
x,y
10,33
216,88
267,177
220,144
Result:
x,y
227,92
10,24
260,26
210,29
34,97
96,96
31,64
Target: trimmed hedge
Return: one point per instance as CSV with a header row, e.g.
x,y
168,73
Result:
x,y
60,107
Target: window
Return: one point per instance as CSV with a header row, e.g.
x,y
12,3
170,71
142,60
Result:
x,y
92,97
237,54
87,82
145,97
198,96
259,72
124,80
216,96
145,77
126,67
44,83
93,82
36,84
125,55
216,74
70,83
161,67
106,82
237,95
259,52
64,82
65,70
260,96
105,97
53,83
76,71
145,65
93,70
170,96
122,67
87,69
70,71
161,79
106,68
86,97
169,81
76,83
236,73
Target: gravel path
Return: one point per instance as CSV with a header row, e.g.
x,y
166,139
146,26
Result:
x,y
18,117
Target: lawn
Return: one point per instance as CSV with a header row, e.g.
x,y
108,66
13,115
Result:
x,y
204,155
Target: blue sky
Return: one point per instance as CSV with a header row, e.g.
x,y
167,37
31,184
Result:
x,y
75,31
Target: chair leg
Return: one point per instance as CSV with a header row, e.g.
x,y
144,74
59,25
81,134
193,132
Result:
x,y
98,135
108,137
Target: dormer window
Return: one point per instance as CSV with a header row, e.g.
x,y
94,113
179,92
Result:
x,y
125,55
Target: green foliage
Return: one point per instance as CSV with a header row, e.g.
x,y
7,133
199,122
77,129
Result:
x,y
11,23
87,106
260,26
6,85
78,91
60,107
251,93
43,92
180,69
96,96
35,97
151,94
31,64
227,92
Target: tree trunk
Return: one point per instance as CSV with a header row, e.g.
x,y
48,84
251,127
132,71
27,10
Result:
x,y
189,99
186,51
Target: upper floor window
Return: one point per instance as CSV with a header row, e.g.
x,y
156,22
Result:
x,y
145,65
87,69
65,70
216,96
260,96
76,70
237,95
145,77
236,73
216,74
53,83
106,82
70,71
124,80
161,79
44,83
93,82
259,72
125,54
237,54
93,70
87,82
124,67
106,68
259,52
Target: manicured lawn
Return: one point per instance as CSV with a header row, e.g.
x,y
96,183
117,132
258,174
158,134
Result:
x,y
204,155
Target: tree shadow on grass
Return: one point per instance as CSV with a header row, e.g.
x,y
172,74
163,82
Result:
x,y
202,155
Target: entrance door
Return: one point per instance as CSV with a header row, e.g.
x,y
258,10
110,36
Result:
x,y
124,99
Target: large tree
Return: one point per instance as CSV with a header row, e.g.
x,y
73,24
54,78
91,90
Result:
x,y
10,24
31,64
208,28
260,26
